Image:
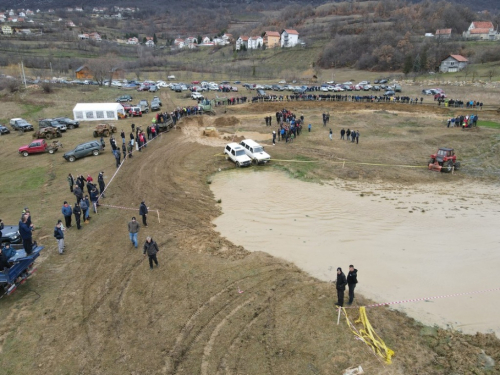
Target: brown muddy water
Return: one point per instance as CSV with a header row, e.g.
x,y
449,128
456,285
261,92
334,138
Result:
x,y
406,242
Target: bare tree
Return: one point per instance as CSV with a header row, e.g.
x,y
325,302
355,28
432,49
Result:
x,y
102,69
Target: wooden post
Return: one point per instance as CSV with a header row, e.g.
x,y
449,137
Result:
x,y
338,318
158,213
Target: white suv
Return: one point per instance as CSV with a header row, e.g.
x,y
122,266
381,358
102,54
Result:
x,y
236,153
255,151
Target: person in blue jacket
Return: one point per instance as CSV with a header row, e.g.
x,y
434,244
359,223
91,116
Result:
x,y
67,212
25,230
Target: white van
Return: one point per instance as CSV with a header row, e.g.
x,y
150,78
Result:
x,y
255,151
236,153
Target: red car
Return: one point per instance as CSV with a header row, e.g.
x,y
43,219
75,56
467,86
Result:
x,y
195,82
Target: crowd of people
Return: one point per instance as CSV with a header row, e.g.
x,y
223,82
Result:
x,y
457,103
462,121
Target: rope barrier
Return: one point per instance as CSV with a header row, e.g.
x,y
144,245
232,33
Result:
x,y
429,298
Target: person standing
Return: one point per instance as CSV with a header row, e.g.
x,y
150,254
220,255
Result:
x,y
352,280
274,138
151,248
124,151
100,181
133,229
357,137
342,133
59,235
340,284
143,211
77,211
78,193
85,206
67,212
122,134
116,153
331,135
26,232
348,134
71,182
353,136
94,197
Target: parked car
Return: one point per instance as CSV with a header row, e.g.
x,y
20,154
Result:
x,y
144,104
170,77
4,130
255,151
48,122
84,149
236,154
20,124
135,112
389,93
39,146
426,92
155,104
153,88
130,86
124,98
10,234
397,88
70,124
196,95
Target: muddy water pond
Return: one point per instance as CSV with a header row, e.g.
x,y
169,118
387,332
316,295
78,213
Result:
x,y
406,242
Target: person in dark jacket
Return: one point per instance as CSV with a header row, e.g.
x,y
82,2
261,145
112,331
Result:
x,y
71,182
151,248
8,251
77,211
4,264
100,180
133,229
340,284
342,133
1,227
143,211
94,197
67,212
59,235
78,193
116,153
85,206
25,230
80,181
352,280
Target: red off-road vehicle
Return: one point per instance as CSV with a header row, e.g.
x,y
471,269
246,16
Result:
x,y
444,160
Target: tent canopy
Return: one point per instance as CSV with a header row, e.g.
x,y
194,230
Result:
x,y
97,111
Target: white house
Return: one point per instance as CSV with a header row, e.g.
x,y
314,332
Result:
x,y
7,30
242,41
191,40
149,43
97,111
133,40
205,39
220,41
83,36
453,63
482,31
255,42
179,43
289,38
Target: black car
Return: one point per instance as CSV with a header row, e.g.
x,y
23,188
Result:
x,y
71,124
4,130
84,149
124,98
20,124
10,234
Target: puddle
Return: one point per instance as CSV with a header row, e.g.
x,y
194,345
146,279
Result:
x,y
404,248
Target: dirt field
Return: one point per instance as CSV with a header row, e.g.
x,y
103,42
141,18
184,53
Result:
x,y
100,310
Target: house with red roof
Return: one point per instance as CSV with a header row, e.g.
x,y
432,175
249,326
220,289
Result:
x,y
289,38
272,39
481,31
242,41
443,34
453,63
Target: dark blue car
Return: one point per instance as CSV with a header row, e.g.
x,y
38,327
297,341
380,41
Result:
x,y
22,267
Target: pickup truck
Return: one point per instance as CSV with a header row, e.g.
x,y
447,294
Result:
x,y
20,124
39,146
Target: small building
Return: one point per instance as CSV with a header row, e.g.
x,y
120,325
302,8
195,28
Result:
x,y
83,72
289,38
97,111
95,36
6,30
272,39
133,40
241,42
179,43
453,63
83,36
205,39
481,31
149,43
255,42
443,33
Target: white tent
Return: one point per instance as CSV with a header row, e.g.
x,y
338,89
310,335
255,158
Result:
x,y
97,111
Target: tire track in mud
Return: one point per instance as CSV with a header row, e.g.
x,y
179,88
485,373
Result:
x,y
178,354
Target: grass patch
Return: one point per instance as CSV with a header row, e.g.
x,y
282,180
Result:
x,y
300,170
489,124
29,179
